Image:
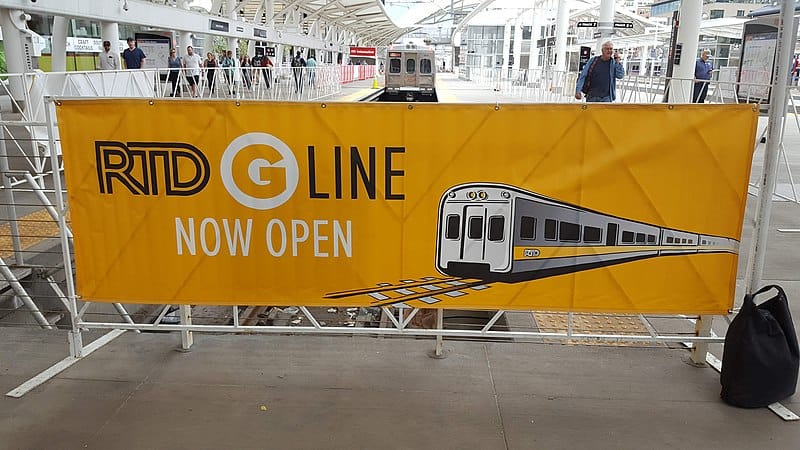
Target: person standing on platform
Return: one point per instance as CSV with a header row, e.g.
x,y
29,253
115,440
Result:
x,y
134,56
107,59
266,67
192,64
211,68
297,69
702,71
174,63
311,63
598,79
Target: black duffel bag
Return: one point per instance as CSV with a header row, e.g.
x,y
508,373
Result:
x,y
761,358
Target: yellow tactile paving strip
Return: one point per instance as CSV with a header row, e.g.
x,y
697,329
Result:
x,y
617,324
33,228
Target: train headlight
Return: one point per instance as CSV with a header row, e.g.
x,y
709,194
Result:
x,y
452,194
482,195
506,194
471,195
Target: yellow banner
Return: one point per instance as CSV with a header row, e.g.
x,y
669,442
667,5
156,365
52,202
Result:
x,y
618,208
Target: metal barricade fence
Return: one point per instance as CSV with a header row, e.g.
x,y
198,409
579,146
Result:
x,y
37,225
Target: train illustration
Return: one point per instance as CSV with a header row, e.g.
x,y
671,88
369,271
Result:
x,y
498,232
410,74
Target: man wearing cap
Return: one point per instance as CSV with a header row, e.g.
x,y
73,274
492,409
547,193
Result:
x,y
108,60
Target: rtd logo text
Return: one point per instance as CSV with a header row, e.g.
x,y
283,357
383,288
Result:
x,y
135,165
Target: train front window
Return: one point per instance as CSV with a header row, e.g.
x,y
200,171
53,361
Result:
x,y
627,237
475,230
569,232
425,65
496,228
550,229
592,234
394,66
411,65
453,230
527,228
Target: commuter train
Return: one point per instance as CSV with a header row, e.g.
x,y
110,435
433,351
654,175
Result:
x,y
502,233
410,74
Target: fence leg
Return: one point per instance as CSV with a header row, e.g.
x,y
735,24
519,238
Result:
x,y
700,349
438,352
186,319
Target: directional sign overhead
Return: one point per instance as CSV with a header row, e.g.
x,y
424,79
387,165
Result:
x,y
623,24
586,24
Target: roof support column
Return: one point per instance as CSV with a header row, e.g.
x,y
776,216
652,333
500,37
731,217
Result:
x,y
109,31
13,21
506,47
230,8
59,44
533,61
517,43
644,51
185,37
777,116
680,88
605,24
562,25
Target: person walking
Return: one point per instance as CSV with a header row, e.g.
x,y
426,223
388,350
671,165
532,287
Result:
x,y
311,63
192,64
210,65
598,79
174,62
134,56
702,73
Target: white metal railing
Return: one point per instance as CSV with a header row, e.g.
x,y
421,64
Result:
x,y
551,86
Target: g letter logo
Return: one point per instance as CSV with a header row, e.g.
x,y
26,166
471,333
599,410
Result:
x,y
270,166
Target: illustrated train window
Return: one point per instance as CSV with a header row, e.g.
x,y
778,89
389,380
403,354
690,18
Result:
x,y
592,234
640,238
394,66
527,228
569,232
425,65
651,239
627,237
669,239
475,230
550,229
496,227
453,230
411,65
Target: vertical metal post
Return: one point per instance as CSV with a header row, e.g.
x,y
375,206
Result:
x,y
700,349
8,199
777,113
439,326
186,319
75,338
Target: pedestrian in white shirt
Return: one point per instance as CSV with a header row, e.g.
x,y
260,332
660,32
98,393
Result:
x,y
192,63
108,60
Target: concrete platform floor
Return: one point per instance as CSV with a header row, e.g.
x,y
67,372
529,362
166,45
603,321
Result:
x,y
308,392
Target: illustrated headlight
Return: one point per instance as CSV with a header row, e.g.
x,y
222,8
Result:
x,y
452,194
482,195
471,195
506,194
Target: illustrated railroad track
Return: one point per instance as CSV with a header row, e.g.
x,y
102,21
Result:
x,y
429,290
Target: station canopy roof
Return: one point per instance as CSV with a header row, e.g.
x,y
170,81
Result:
x,y
367,19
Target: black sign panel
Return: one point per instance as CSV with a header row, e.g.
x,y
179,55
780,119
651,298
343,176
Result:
x,y
270,51
586,24
583,56
676,59
258,32
623,24
218,25
240,29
